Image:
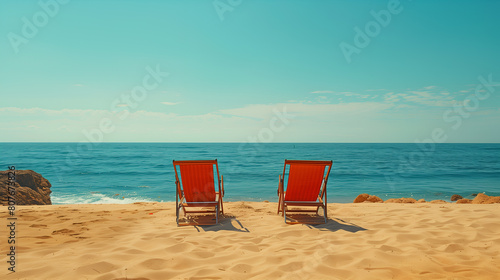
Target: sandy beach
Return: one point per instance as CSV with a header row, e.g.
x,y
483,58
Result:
x,y
360,241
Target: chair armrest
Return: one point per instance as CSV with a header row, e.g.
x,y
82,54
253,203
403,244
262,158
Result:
x,y
180,193
280,186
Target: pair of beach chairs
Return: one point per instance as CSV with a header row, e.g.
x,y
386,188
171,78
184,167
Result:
x,y
197,192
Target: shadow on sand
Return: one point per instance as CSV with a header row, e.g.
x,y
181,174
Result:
x,y
231,223
318,222
336,224
226,222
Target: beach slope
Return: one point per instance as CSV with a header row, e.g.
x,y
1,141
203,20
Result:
x,y
360,241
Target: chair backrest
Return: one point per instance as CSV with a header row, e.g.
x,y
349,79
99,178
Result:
x,y
305,179
197,179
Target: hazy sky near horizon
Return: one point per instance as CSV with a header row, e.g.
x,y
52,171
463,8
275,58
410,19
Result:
x,y
259,71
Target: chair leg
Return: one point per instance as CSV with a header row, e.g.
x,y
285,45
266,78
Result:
x,y
177,214
325,211
176,210
216,214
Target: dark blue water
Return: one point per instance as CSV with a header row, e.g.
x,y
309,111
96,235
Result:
x,y
96,173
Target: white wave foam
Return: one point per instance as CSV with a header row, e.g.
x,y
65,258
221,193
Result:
x,y
95,198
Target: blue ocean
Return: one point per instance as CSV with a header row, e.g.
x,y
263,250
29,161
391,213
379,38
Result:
x,y
132,172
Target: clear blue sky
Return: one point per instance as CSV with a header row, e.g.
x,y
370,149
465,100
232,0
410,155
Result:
x,y
65,68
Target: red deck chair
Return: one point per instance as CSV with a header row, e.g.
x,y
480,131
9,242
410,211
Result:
x,y
195,188
306,187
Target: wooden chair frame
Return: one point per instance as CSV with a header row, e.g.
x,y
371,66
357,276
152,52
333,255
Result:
x,y
321,201
180,199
